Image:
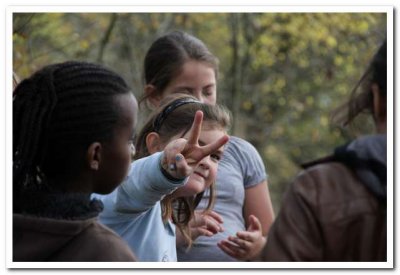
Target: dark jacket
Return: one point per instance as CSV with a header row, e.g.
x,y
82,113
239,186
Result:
x,y
335,210
68,232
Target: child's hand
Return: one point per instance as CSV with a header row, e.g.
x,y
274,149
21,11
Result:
x,y
202,224
205,224
181,156
246,245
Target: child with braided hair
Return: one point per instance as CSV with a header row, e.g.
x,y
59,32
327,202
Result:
x,y
73,124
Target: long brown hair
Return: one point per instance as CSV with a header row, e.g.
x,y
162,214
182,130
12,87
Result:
x,y
178,121
361,99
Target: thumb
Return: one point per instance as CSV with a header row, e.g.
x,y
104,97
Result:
x,y
254,224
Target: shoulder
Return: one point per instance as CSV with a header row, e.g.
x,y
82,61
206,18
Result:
x,y
330,186
240,155
113,247
324,170
240,143
240,148
322,176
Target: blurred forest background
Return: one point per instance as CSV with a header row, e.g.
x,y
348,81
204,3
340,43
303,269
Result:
x,y
281,74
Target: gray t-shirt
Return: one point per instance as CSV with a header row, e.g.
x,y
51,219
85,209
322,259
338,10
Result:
x,y
241,167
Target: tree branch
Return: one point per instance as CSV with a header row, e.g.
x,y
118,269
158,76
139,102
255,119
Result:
x,y
106,37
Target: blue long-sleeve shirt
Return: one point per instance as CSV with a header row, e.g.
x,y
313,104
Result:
x,y
134,211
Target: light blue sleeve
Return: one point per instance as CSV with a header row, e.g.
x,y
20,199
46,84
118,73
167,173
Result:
x,y
144,186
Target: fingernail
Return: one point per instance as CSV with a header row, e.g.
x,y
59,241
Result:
x,y
178,157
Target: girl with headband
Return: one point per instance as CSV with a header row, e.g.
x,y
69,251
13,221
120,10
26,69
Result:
x,y
178,151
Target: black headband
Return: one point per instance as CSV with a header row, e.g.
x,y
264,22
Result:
x,y
169,109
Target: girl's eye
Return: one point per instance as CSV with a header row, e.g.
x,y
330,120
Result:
x,y
215,157
208,91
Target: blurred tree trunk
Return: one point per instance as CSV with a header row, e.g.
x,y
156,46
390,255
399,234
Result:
x,y
106,37
248,90
235,72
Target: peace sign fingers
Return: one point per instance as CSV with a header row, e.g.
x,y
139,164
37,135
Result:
x,y
212,147
193,152
194,132
183,155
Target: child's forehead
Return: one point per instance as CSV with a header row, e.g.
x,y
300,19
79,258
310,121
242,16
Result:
x,y
208,130
208,125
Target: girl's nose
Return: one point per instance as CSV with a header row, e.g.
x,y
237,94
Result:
x,y
205,162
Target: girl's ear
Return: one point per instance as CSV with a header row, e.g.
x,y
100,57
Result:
x,y
153,143
93,155
379,105
153,99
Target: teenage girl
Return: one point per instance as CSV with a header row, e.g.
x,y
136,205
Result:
x,y
73,124
180,63
178,151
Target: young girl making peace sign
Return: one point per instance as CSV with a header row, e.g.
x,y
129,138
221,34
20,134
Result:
x,y
183,141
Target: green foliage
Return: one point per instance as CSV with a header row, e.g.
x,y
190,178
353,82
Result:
x,y
280,73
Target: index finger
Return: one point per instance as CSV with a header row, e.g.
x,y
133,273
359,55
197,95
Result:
x,y
212,147
194,132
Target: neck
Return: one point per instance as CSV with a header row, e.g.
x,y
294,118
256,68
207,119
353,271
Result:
x,y
78,185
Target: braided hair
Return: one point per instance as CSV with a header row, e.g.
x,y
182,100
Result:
x,y
57,113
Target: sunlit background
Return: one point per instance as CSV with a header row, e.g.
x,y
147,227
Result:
x,y
281,74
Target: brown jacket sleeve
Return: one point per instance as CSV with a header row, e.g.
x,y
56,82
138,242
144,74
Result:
x,y
327,214
295,234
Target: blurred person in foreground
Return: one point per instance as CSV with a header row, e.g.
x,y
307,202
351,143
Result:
x,y
335,210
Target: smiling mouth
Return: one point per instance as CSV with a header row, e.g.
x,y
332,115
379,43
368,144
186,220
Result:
x,y
199,174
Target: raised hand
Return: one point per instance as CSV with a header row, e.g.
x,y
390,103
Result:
x,y
246,245
181,156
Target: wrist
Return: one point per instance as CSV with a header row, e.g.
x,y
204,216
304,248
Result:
x,y
164,170
258,255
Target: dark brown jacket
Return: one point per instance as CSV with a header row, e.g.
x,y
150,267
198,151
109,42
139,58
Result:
x,y
64,227
329,214
44,239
